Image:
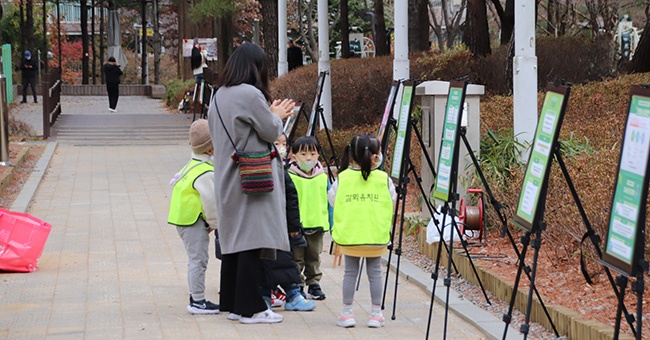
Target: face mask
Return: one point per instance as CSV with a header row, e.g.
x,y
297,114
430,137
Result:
x,y
381,160
282,152
306,166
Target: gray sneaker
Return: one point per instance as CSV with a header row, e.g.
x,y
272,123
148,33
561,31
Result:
x,y
202,307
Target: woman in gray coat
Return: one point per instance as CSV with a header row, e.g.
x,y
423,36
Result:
x,y
251,227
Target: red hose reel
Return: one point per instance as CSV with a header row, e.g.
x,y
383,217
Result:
x,y
472,217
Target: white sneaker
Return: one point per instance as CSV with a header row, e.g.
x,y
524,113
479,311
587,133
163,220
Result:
x,y
266,316
234,317
112,110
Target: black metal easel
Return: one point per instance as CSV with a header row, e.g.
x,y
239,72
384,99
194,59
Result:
x,y
498,208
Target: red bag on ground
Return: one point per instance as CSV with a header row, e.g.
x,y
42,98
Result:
x,y
22,238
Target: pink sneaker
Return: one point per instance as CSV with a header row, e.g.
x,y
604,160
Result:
x,y
376,320
346,318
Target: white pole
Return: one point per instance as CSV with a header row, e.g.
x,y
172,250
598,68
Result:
x,y
324,61
524,70
401,59
283,66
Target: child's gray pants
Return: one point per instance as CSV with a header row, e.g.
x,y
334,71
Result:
x,y
197,241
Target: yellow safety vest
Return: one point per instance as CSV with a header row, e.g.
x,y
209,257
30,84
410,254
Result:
x,y
312,201
363,209
185,207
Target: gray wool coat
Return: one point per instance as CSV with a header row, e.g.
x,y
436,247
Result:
x,y
246,221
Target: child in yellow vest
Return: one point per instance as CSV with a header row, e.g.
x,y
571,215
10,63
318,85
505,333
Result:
x,y
311,182
363,198
193,210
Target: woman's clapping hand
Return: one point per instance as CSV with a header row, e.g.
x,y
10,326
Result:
x,y
283,108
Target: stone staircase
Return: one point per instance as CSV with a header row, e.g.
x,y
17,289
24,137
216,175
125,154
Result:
x,y
122,129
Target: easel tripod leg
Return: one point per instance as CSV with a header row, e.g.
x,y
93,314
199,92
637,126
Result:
x,y
621,281
434,275
537,242
525,240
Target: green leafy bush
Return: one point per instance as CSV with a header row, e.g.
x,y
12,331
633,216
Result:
x,y
175,89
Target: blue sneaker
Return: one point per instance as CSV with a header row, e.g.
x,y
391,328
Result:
x,y
299,304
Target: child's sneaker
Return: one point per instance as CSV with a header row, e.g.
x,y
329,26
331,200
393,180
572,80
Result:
x,y
300,304
234,317
346,318
315,293
376,320
266,316
202,307
277,298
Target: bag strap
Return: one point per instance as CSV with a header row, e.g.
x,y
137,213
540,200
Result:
x,y
224,125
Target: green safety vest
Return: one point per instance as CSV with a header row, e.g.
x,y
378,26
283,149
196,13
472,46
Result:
x,y
363,209
185,207
312,201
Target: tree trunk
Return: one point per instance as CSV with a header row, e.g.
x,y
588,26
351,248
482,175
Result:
x,y
101,41
45,47
225,40
269,13
418,25
476,34
345,30
143,51
92,41
23,29
84,42
641,59
156,43
381,43
29,23
508,22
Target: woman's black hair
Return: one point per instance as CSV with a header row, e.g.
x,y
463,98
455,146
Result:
x,y
196,60
360,150
247,65
304,143
111,59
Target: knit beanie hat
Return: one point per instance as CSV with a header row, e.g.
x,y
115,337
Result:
x,y
200,136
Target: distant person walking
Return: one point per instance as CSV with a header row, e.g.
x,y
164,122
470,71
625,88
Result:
x,y
294,55
113,72
28,68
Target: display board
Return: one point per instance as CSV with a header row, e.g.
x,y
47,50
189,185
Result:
x,y
390,103
530,207
403,124
625,241
311,128
291,123
448,155
207,44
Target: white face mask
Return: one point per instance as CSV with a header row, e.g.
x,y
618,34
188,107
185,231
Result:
x,y
378,164
282,152
306,166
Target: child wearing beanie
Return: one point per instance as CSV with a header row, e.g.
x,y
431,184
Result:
x,y
193,210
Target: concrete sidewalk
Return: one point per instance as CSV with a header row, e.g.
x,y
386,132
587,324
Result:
x,y
113,268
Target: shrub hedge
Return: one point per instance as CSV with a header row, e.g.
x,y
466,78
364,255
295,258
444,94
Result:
x,y
360,86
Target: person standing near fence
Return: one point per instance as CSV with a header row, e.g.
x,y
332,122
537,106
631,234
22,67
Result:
x,y
28,68
113,72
